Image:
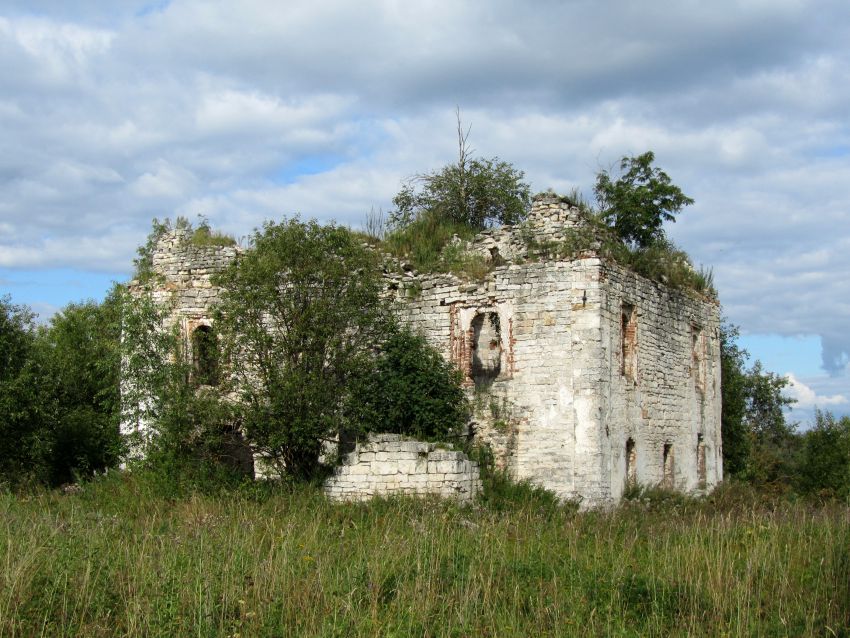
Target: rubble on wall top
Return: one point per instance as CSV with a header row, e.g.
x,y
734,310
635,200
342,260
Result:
x,y
549,220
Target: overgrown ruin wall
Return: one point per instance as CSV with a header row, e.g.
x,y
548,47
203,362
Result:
x,y
180,281
388,464
584,375
185,272
604,376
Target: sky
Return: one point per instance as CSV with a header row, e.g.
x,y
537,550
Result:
x,y
116,112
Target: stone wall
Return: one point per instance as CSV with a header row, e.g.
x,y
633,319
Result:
x,y
388,464
184,274
573,385
667,401
583,375
180,283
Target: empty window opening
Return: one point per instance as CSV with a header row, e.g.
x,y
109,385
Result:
x,y
667,477
205,356
486,348
631,462
701,460
697,357
628,359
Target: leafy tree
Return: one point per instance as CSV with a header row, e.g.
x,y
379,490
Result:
x,y
411,389
58,392
186,437
758,444
639,201
473,192
825,466
301,314
80,358
733,385
22,400
775,444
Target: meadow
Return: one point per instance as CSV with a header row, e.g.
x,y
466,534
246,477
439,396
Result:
x,y
118,558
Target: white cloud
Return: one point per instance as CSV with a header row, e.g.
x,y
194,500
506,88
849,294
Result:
x,y
231,111
113,113
54,53
164,180
44,312
807,398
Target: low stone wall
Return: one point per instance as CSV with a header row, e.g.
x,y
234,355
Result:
x,y
388,464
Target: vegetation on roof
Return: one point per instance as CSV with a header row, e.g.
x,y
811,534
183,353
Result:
x,y
624,225
475,192
661,260
201,236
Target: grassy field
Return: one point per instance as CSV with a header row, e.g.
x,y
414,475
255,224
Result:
x,y
117,560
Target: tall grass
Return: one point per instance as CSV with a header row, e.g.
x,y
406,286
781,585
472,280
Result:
x,y
118,560
427,243
203,236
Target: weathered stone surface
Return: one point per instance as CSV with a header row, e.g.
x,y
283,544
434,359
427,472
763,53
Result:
x,y
582,373
430,473
563,384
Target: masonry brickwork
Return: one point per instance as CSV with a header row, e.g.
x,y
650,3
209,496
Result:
x,y
603,376
584,375
388,464
183,279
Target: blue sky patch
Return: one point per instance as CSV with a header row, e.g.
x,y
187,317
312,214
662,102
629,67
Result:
x,y
56,287
800,355
310,165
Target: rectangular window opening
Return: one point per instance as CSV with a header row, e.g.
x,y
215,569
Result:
x,y
631,462
697,358
628,358
667,477
701,474
486,347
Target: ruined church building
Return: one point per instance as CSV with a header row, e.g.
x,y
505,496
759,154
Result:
x,y
584,376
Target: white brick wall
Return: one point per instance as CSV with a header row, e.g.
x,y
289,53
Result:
x,y
560,411
388,464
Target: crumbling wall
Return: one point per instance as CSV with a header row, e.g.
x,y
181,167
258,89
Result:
x,y
388,464
540,412
180,282
581,372
182,275
581,356
667,400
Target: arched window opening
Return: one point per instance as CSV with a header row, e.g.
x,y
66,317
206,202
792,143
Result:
x,y
205,356
486,348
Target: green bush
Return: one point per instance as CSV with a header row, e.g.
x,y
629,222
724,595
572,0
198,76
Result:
x,y
410,389
203,236
59,397
825,465
476,193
